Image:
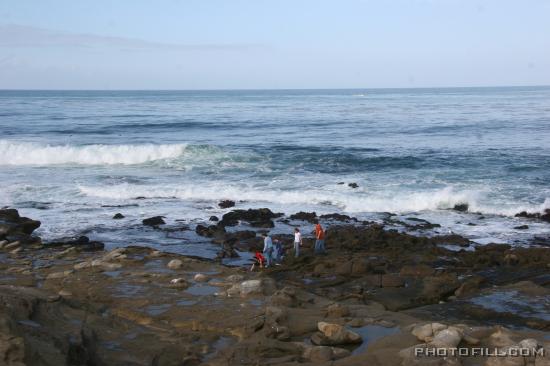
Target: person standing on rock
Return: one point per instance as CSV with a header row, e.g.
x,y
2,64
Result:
x,y
319,239
297,242
268,249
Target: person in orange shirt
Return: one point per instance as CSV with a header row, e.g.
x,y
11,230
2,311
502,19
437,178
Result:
x,y
319,239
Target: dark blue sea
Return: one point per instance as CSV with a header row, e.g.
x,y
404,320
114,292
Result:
x,y
74,158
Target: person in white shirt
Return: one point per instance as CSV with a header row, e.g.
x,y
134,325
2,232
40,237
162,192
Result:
x,y
268,249
297,242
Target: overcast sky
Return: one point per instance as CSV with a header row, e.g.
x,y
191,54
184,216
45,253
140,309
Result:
x,y
241,44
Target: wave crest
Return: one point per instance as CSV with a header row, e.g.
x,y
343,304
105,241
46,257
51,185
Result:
x,y
396,202
12,153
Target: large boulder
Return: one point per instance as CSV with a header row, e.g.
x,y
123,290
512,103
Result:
x,y
259,217
16,228
226,204
154,221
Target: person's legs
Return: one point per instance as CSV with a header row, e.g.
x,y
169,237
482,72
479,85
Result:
x,y
296,249
267,256
317,246
322,245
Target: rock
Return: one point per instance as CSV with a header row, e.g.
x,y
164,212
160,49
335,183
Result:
x,y
529,343
426,332
3,243
175,264
545,216
338,217
106,266
234,278
436,288
82,265
227,251
446,338
501,338
511,259
58,275
11,222
115,254
359,267
318,354
65,293
521,227
154,221
13,245
246,288
251,287
118,216
337,311
353,185
210,231
334,334
82,243
419,270
275,314
385,323
226,204
304,216
179,283
462,207
200,277
285,297
214,218
356,323
391,280
260,217
470,286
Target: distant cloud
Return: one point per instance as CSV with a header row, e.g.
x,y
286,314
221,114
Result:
x,y
18,36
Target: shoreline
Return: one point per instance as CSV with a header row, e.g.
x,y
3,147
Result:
x,y
140,306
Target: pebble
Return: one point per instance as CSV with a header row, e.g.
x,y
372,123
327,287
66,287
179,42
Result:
x,y
175,264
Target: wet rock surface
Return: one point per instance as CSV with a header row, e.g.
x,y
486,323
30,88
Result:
x,y
376,296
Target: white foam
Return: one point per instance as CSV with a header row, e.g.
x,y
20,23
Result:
x,y
351,202
17,153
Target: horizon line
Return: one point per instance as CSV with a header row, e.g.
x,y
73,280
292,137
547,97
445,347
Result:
x,y
282,89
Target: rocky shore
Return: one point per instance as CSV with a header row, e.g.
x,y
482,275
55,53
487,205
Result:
x,y
377,298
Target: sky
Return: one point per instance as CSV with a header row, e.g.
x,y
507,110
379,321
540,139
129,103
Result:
x,y
272,44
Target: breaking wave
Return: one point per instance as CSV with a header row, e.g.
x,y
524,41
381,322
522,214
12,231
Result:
x,y
395,202
17,153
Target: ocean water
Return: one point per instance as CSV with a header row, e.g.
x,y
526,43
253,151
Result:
x,y
66,155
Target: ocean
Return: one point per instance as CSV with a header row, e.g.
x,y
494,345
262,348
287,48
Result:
x,y
73,159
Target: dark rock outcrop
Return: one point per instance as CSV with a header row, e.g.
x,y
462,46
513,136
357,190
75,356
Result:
x,y
545,216
304,216
118,216
338,217
226,204
82,243
210,231
16,228
461,207
259,217
154,221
